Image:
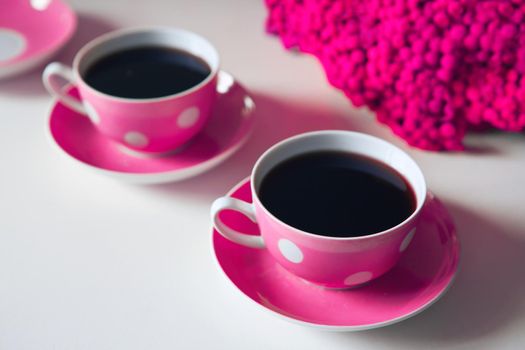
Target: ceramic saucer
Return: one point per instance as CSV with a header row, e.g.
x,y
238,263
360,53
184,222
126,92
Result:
x,y
423,274
229,127
31,31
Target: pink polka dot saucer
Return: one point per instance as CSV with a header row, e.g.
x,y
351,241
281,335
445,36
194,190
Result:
x,y
422,276
228,129
31,31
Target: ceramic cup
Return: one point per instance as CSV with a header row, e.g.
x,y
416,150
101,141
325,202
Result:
x,y
331,262
153,125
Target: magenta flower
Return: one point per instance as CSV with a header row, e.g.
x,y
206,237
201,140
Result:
x,y
429,69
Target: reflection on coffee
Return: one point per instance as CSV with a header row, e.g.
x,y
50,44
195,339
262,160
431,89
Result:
x,y
337,194
146,72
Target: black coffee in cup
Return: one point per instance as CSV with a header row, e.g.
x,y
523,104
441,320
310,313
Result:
x,y
337,194
146,72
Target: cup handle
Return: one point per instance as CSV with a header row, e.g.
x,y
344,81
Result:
x,y
51,77
243,207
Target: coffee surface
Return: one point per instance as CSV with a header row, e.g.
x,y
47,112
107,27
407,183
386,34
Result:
x,y
337,194
146,72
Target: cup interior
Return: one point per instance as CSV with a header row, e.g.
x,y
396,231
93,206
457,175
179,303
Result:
x,y
347,141
164,37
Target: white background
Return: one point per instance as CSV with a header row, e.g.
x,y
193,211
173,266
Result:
x,y
89,263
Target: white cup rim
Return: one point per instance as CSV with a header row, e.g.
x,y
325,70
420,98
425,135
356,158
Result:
x,y
115,35
281,144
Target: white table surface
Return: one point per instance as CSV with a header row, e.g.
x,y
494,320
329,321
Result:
x,y
89,263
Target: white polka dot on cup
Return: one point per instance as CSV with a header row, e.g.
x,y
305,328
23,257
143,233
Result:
x,y
358,278
188,117
40,5
12,44
136,139
290,251
406,242
249,106
225,82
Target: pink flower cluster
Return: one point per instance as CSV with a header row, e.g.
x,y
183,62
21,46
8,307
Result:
x,y
429,69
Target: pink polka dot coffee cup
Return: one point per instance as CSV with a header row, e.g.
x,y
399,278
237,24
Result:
x,y
328,258
150,89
